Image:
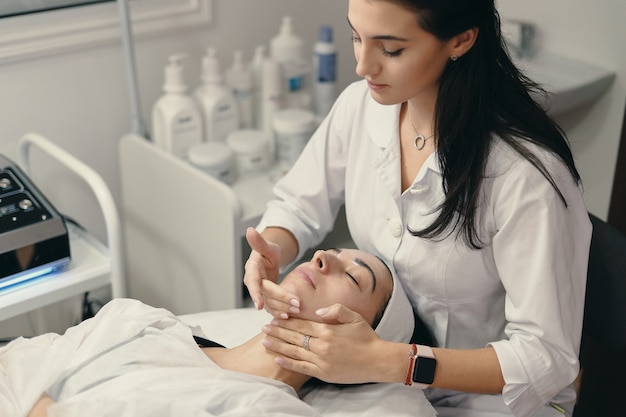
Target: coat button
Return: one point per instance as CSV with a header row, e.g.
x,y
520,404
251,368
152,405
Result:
x,y
395,227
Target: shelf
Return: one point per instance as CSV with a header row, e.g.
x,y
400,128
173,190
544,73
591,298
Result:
x,y
89,269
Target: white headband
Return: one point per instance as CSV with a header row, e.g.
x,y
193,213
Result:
x,y
398,321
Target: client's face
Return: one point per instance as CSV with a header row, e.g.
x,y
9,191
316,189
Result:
x,y
354,278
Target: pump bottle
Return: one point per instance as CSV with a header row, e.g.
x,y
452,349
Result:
x,y
219,108
324,72
287,49
239,79
176,117
256,67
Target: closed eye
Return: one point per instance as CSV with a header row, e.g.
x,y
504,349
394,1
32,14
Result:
x,y
392,54
353,279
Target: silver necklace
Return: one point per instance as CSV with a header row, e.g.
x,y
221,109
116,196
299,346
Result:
x,y
420,140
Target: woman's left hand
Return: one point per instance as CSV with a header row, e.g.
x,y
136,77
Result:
x,y
341,350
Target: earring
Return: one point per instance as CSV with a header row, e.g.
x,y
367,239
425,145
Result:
x,y
454,58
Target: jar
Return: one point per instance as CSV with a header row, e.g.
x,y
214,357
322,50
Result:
x,y
251,149
292,130
214,158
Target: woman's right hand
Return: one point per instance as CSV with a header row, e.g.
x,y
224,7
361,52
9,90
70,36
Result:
x,y
261,275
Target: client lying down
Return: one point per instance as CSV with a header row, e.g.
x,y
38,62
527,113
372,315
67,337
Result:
x,y
135,360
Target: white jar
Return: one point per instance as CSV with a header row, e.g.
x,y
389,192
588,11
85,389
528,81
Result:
x,y
292,130
251,150
214,158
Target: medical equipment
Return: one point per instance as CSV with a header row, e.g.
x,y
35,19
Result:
x,y
33,236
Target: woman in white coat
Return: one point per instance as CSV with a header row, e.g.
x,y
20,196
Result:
x,y
453,175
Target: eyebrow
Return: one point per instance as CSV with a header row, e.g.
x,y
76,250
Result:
x,y
380,37
361,263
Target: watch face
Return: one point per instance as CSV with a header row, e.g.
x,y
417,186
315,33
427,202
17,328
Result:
x,y
424,371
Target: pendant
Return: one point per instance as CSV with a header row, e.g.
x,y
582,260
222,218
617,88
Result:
x,y
419,142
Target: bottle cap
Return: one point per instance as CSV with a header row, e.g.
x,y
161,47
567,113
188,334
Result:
x,y
326,34
286,46
247,141
174,75
211,67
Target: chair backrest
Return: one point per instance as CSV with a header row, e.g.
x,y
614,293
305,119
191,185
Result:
x,y
603,345
605,302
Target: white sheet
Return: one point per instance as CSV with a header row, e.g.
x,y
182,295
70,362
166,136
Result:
x,y
232,327
135,360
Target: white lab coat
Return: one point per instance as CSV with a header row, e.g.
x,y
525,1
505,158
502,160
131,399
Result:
x,y
523,293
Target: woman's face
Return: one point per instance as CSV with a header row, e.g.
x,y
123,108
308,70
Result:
x,y
399,60
351,277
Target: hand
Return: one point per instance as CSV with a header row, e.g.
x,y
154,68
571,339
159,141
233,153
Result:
x,y
40,409
261,275
342,350
278,301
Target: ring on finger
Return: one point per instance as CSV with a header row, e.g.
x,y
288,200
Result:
x,y
305,342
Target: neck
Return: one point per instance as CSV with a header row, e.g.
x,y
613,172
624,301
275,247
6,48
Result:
x,y
252,358
422,111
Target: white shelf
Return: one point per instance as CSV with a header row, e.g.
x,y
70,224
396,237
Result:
x,y
92,265
89,269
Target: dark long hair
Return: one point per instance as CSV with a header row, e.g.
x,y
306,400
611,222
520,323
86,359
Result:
x,y
480,95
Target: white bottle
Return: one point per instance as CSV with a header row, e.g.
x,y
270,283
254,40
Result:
x,y
256,67
287,49
240,80
271,99
219,108
176,116
324,72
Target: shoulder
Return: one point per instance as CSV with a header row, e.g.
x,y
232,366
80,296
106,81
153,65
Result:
x,y
513,181
505,161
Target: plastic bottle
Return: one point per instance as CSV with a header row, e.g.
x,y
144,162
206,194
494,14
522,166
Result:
x,y
176,116
287,49
271,99
256,67
324,72
239,79
219,107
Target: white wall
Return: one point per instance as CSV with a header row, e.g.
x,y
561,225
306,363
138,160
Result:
x,y
79,99
591,31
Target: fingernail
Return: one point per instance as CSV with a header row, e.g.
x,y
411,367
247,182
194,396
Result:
x,y
274,322
280,361
284,316
256,305
266,343
266,329
294,302
321,311
294,309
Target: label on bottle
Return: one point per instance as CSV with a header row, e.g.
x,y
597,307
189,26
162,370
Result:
x,y
186,132
326,68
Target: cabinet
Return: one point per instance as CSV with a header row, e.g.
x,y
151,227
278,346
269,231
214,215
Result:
x,y
184,230
93,264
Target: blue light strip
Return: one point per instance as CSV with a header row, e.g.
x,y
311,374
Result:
x,y
13,281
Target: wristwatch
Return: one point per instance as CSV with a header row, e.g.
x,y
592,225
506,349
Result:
x,y
424,368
